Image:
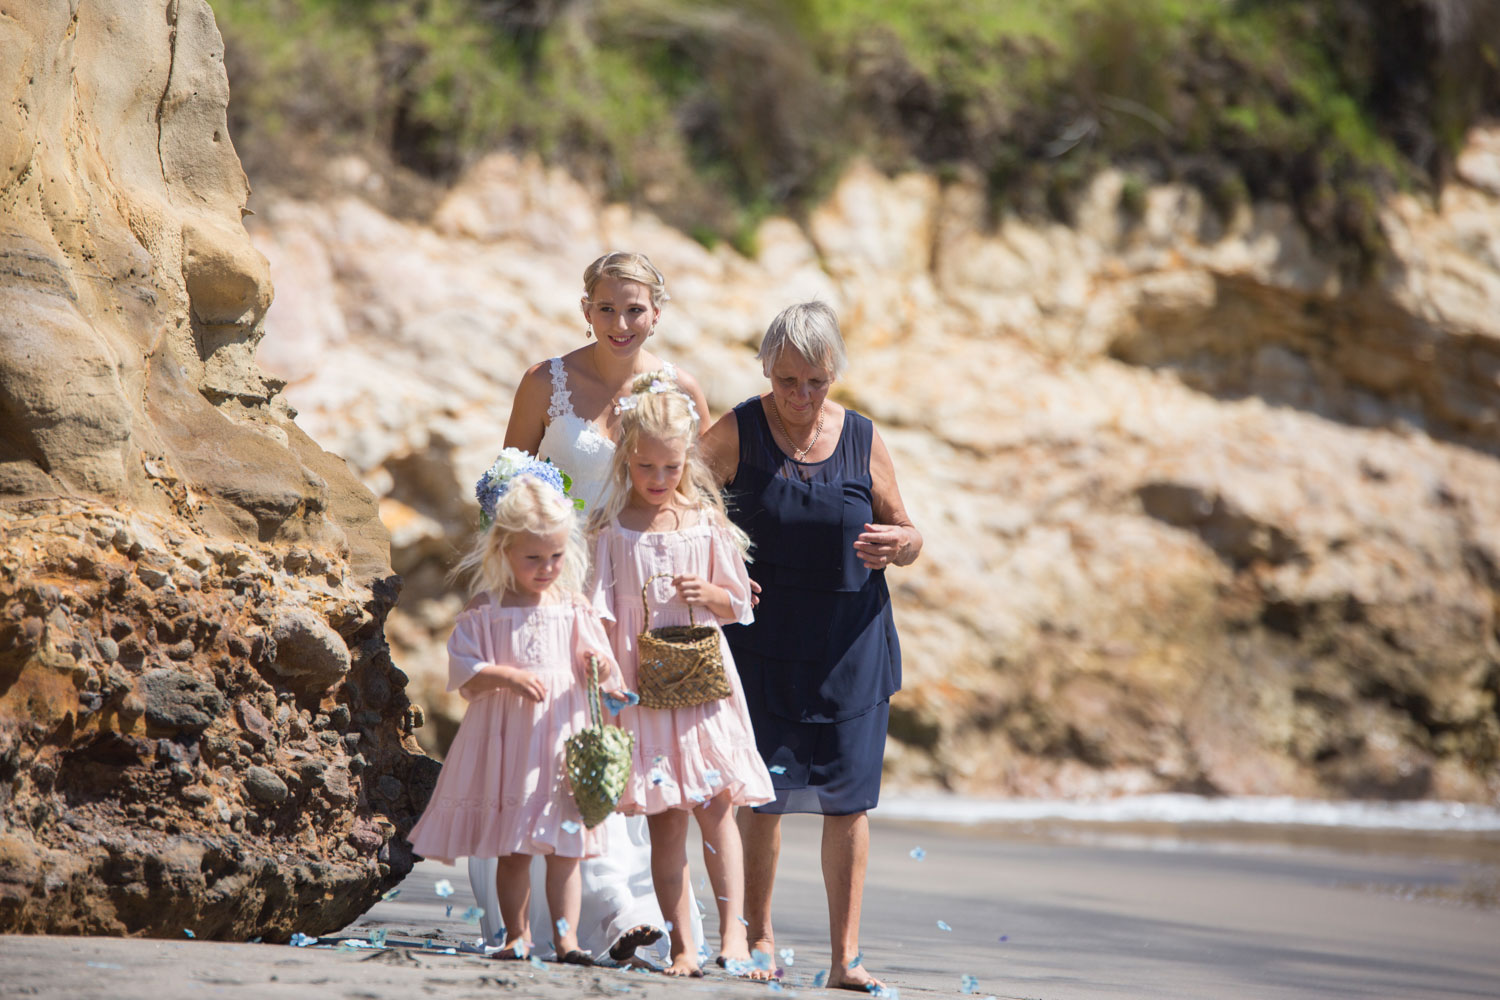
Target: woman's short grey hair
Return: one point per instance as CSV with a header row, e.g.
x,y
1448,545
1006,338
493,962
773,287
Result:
x,y
812,330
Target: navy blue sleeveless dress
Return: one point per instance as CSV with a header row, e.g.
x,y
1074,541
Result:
x,y
821,660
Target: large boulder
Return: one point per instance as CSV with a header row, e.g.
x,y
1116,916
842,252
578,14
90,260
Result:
x,y
200,724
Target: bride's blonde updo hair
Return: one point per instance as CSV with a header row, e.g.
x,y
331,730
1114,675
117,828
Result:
x,y
659,409
626,265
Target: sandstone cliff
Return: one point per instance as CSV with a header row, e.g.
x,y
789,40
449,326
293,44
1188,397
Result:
x,y
1199,515
200,724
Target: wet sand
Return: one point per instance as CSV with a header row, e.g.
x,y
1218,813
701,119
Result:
x,y
1047,911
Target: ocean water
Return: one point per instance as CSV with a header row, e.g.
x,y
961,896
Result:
x,y
1197,809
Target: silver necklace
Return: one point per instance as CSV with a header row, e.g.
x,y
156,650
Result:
x,y
797,456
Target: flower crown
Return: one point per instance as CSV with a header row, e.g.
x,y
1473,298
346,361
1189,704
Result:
x,y
510,466
657,385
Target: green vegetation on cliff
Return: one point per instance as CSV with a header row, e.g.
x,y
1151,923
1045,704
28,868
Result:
x,y
715,114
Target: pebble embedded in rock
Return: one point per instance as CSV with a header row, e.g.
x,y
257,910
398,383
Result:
x,y
152,577
389,786
309,654
264,785
179,700
196,794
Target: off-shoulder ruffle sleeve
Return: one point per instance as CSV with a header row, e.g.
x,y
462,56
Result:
x,y
589,637
469,647
726,568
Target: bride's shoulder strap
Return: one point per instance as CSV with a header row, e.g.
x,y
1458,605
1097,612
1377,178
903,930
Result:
x,y
562,398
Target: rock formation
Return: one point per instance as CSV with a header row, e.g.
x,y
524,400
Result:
x,y
201,728
1200,514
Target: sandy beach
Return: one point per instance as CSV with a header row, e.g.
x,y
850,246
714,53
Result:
x,y
1052,912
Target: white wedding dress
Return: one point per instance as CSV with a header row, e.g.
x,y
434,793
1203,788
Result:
x,y
617,889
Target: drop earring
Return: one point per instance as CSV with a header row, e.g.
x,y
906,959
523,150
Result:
x,y
588,332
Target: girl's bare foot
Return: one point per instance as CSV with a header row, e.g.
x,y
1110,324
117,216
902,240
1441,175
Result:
x,y
682,965
514,949
743,963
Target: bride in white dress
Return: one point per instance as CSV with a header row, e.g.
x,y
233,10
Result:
x,y
564,411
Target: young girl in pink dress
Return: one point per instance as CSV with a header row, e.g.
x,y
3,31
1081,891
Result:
x,y
521,661
662,514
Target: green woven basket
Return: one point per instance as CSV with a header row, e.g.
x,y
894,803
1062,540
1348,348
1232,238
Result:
x,y
598,759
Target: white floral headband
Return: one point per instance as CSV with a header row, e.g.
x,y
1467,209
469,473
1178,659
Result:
x,y
633,400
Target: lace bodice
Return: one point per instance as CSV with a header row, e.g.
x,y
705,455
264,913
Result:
x,y
578,446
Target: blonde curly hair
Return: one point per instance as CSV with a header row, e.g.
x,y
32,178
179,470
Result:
x,y
532,506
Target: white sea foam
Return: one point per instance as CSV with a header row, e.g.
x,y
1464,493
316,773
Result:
x,y
1191,809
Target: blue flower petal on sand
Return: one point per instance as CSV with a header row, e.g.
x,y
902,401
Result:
x,y
787,955
473,914
969,984
300,940
943,925
1004,938
820,978
569,826
917,853
448,910
377,938
188,933
537,963
443,888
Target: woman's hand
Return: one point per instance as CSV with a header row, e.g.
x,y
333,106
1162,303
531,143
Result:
x,y
699,593
882,545
894,539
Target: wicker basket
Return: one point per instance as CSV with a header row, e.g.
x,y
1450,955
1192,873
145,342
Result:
x,y
598,759
680,665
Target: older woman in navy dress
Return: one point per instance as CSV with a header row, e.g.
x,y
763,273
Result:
x,y
813,485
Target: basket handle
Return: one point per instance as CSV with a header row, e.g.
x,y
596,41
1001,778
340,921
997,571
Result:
x,y
595,716
646,601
